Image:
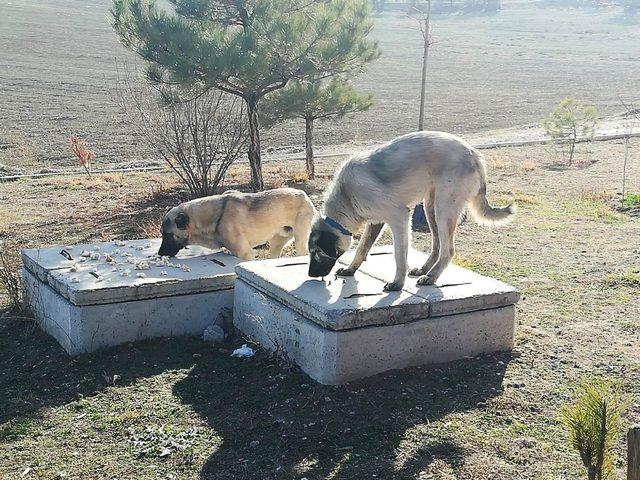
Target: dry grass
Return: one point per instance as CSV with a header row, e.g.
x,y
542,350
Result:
x,y
528,166
493,417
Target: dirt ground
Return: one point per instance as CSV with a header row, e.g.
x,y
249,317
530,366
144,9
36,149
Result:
x,y
181,408
58,70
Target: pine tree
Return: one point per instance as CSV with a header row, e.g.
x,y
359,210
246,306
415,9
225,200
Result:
x,y
312,101
248,48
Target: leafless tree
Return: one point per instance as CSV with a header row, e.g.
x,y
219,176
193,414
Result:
x,y
199,136
424,21
630,112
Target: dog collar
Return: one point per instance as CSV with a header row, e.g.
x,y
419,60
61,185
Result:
x,y
332,223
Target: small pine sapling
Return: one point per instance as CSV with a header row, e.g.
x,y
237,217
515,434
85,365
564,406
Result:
x,y
593,423
569,121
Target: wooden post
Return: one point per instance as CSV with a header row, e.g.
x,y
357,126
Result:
x,y
633,453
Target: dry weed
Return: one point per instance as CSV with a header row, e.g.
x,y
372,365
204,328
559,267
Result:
x,y
10,278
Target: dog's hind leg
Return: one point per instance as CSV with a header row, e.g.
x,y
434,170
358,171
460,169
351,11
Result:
x,y
448,209
277,243
369,237
301,231
242,249
430,211
401,238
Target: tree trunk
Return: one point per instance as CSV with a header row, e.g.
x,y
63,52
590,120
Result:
x,y
425,56
571,149
255,161
308,138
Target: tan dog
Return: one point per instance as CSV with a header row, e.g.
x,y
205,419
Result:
x,y
240,221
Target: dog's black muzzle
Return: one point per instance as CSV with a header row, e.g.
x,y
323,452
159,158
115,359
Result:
x,y
321,267
169,247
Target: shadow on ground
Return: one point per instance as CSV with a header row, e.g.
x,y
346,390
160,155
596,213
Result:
x,y
36,373
275,422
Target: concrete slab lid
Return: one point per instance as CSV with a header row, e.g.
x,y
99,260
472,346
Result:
x,y
342,303
458,289
205,271
40,261
337,303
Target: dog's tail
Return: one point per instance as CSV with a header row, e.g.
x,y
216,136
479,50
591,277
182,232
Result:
x,y
485,213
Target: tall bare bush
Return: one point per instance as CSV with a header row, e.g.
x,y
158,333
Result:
x,y
199,137
10,279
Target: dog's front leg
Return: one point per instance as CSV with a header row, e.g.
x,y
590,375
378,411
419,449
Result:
x,y
369,237
401,231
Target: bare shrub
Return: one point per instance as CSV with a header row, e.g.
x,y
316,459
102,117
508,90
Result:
x,y
198,137
85,156
10,278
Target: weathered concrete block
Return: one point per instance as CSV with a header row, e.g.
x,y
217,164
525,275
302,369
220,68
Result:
x,y
130,296
343,329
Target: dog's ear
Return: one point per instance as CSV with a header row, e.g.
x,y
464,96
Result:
x,y
182,220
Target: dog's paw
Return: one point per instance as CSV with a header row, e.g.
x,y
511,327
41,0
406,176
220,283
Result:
x,y
345,272
426,280
416,272
393,286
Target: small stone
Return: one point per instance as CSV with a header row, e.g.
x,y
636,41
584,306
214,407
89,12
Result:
x,y
141,275
85,254
163,273
95,256
213,334
74,268
75,280
185,268
126,273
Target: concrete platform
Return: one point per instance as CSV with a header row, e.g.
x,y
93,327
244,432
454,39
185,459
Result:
x,y
343,329
97,295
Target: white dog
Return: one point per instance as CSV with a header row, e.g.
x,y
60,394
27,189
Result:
x,y
379,187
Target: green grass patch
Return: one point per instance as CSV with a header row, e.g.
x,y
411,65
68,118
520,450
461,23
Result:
x,y
631,201
16,429
630,278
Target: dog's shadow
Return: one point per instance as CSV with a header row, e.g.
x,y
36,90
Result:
x,y
271,419
275,422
